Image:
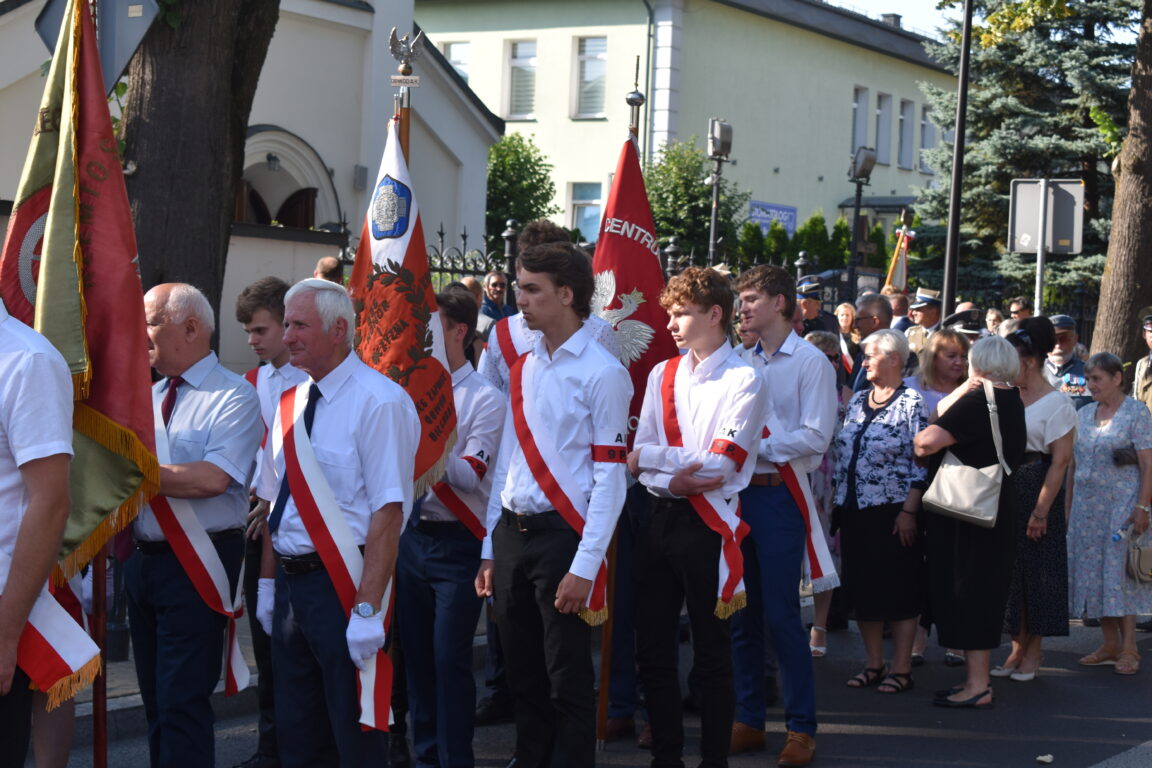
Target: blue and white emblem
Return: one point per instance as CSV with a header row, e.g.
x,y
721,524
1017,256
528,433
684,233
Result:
x,y
391,207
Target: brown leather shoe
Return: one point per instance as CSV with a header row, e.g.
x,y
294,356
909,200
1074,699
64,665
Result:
x,y
798,750
618,728
745,738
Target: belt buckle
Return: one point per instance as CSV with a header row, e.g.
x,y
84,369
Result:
x,y
520,523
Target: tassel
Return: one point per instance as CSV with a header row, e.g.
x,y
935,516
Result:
x,y
725,610
68,686
594,618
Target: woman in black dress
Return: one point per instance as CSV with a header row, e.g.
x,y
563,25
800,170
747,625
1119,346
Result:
x,y
970,568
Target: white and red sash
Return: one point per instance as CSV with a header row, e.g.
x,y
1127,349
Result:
x,y
54,651
324,521
844,356
819,569
718,513
514,342
552,474
200,560
457,506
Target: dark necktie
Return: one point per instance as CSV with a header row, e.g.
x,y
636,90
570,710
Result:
x,y
282,497
170,398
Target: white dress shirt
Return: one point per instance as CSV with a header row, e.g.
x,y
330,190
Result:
x,y
493,367
725,400
216,418
35,415
801,386
271,382
582,394
365,434
480,410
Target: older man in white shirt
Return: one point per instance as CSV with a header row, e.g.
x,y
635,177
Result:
x,y
340,470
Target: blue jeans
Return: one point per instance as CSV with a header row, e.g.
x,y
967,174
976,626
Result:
x,y
438,609
622,691
777,539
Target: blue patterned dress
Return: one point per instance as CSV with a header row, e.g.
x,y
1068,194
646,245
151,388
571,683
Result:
x,y
1104,496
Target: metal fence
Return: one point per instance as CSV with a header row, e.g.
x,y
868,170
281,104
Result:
x,y
451,263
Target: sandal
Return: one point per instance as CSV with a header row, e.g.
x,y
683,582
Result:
x,y
818,651
896,682
953,659
1127,664
976,702
868,677
1097,658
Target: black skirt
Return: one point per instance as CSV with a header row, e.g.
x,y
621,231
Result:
x,y
1040,578
882,578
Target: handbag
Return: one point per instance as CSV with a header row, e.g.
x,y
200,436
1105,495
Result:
x,y
1139,559
970,494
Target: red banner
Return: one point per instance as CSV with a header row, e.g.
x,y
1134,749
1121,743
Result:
x,y
629,279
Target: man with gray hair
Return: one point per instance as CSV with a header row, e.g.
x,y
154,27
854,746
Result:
x,y
339,470
182,580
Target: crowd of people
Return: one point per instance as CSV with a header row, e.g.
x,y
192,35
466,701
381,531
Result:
x,y
785,447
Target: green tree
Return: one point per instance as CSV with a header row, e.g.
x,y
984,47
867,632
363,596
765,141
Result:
x,y
879,257
776,243
841,240
751,248
812,237
682,202
520,185
1031,101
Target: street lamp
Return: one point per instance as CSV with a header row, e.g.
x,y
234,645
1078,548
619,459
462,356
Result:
x,y
719,147
801,265
859,173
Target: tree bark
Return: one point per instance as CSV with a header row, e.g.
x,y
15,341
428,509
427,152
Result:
x,y
1127,284
190,92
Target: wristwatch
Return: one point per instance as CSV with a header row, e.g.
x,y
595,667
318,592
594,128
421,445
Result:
x,y
1144,507
364,610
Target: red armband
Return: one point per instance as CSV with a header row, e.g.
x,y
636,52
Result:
x,y
616,454
731,450
479,467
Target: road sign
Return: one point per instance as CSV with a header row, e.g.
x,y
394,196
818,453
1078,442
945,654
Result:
x,y
1064,232
120,24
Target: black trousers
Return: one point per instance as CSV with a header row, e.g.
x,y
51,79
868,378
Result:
x,y
548,654
178,644
677,560
262,650
15,722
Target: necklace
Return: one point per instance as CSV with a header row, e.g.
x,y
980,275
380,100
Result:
x,y
878,403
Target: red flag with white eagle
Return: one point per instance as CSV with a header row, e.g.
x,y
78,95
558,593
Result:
x,y
629,279
398,329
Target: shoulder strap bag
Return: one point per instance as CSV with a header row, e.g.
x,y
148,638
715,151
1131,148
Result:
x,y
966,493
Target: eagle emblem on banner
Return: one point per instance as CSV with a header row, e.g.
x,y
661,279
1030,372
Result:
x,y
633,337
390,208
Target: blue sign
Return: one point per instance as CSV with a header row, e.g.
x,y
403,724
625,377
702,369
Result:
x,y
766,213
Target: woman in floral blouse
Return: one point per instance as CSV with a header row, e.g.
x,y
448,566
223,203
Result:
x,y
878,493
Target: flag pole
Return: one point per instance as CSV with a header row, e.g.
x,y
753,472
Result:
x,y
635,100
100,636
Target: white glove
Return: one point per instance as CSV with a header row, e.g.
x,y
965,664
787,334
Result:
x,y
365,637
265,602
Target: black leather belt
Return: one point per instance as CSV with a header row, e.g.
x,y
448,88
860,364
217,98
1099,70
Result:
x,y
298,565
439,527
1033,457
538,521
163,547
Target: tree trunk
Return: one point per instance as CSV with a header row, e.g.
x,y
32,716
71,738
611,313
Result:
x,y
190,92
1127,285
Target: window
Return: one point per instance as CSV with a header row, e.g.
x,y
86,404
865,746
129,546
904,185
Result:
x,y
859,119
522,79
883,129
586,209
458,55
592,64
907,127
927,137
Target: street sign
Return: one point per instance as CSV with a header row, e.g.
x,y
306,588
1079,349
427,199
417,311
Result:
x,y
120,25
1065,216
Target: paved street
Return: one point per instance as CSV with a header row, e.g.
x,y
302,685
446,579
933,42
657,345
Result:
x,y
1083,717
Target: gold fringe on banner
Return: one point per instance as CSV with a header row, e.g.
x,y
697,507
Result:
x,y
724,610
67,687
436,471
122,442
